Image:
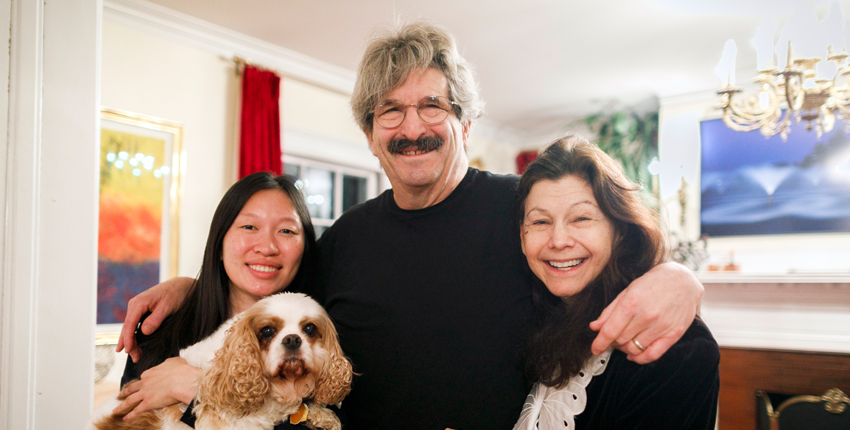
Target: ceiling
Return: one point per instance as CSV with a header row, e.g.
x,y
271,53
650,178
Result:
x,y
541,63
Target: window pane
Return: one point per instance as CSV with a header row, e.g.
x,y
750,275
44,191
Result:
x,y
320,229
293,170
319,191
353,191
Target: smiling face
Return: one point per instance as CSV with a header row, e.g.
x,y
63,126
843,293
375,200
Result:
x,y
566,238
262,249
428,167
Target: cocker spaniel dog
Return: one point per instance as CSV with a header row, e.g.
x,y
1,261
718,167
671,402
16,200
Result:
x,y
258,369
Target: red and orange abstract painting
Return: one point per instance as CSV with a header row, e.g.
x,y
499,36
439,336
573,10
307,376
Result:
x,y
130,236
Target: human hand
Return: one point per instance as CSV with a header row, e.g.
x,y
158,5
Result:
x,y
171,382
656,310
161,300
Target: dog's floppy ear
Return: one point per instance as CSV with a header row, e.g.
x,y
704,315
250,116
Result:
x,y
235,383
334,381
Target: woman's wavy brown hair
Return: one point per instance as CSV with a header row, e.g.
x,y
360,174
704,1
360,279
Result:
x,y
560,344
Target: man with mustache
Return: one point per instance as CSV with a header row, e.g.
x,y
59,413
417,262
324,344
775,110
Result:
x,y
427,283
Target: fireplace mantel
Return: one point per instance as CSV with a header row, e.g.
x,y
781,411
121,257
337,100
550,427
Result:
x,y
774,278
790,313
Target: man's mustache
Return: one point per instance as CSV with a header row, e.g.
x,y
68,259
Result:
x,y
423,143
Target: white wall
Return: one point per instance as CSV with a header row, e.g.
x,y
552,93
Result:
x,y
495,149
308,107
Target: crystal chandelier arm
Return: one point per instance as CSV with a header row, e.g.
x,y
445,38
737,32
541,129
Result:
x,y
751,112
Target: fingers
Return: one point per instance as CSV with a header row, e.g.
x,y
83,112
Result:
x,y
652,352
153,321
655,334
606,313
127,340
140,408
130,389
135,401
126,407
621,325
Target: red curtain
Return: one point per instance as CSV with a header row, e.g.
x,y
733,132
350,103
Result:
x,y
523,160
259,136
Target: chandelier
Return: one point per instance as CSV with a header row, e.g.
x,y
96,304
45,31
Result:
x,y
806,87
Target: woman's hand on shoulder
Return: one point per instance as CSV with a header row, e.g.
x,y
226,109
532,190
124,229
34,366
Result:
x,y
173,381
161,300
655,310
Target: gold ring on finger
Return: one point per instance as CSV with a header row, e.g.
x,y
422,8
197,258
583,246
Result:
x,y
638,345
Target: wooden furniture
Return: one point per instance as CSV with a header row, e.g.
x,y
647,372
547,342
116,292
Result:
x,y
826,412
743,372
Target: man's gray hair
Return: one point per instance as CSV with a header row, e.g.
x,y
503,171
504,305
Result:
x,y
394,54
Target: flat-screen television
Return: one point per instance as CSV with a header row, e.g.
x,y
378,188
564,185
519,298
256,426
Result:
x,y
751,185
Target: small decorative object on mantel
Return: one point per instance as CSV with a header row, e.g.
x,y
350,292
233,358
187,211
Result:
x,y
729,266
800,84
688,253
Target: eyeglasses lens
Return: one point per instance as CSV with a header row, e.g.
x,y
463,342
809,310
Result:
x,y
432,110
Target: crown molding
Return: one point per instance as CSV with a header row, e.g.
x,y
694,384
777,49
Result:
x,y
185,29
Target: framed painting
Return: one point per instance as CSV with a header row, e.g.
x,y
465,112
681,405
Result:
x,y
141,162
753,186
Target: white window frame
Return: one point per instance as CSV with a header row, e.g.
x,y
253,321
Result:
x,y
373,182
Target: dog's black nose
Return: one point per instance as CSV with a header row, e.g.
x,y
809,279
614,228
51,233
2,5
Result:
x,y
292,341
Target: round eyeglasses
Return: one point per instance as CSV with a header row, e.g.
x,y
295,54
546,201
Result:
x,y
432,110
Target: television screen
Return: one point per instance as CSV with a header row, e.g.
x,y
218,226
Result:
x,y
752,185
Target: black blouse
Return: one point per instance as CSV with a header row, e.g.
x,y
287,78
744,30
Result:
x,y
678,391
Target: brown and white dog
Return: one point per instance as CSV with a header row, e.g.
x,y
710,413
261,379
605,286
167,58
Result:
x,y
257,370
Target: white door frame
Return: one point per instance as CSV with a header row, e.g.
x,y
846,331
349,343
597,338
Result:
x,y
49,178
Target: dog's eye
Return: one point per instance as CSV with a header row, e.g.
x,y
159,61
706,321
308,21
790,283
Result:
x,y
310,329
267,332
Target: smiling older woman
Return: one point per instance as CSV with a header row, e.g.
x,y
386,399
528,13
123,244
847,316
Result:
x,y
587,234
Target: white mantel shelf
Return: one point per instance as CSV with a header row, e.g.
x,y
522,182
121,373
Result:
x,y
773,278
793,312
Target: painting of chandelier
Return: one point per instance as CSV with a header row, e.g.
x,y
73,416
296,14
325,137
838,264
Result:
x,y
808,83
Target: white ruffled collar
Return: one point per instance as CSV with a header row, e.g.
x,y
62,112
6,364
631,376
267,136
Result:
x,y
550,408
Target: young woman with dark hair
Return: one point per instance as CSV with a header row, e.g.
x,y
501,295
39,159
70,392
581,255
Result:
x,y
261,241
586,234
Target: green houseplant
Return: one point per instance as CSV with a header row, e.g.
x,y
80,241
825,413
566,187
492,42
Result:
x,y
629,138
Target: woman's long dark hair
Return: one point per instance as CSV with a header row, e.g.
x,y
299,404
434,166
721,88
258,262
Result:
x,y
560,345
207,305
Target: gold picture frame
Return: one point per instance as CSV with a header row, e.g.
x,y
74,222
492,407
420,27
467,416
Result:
x,y
141,168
